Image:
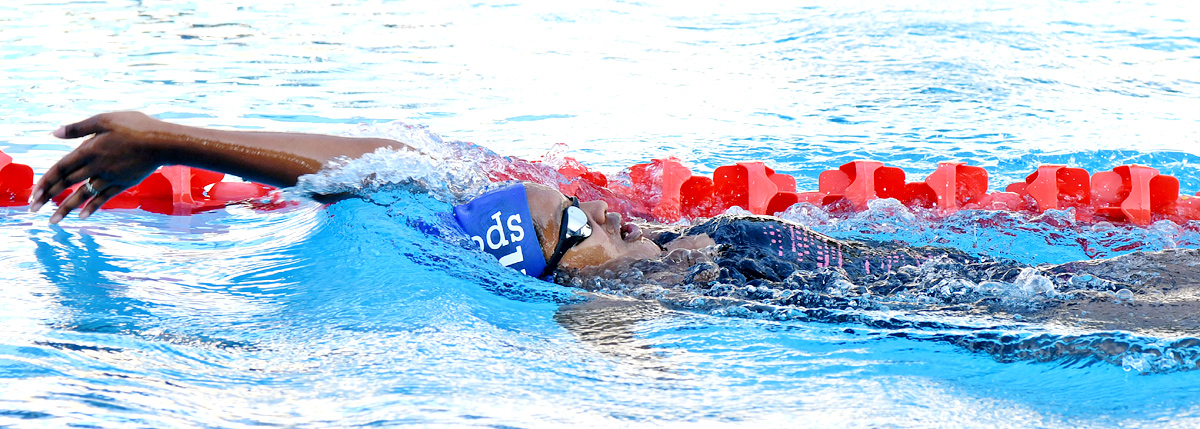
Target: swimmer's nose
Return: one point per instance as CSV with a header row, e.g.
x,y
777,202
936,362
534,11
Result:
x,y
597,211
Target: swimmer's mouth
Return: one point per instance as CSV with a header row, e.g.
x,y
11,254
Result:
x,y
630,233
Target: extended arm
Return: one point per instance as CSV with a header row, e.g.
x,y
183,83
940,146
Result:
x,y
127,146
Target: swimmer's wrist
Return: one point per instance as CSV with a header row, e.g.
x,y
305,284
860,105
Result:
x,y
172,144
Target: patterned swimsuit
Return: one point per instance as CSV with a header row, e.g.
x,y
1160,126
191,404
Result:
x,y
766,248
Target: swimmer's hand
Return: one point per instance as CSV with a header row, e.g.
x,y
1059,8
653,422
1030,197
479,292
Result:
x,y
120,153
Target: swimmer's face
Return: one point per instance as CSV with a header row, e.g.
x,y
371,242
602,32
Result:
x,y
611,241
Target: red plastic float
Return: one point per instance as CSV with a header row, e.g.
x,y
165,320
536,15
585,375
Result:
x,y
572,169
664,177
950,187
1187,208
16,182
751,186
1055,187
1134,193
861,181
696,197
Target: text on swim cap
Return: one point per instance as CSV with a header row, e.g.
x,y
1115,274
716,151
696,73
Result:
x,y
496,238
497,230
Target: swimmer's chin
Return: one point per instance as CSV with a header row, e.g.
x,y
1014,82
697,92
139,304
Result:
x,y
674,266
640,250
643,248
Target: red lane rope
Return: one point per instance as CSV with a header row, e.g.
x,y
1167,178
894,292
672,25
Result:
x,y
669,191
665,190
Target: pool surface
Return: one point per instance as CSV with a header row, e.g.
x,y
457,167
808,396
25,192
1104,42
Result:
x,y
360,314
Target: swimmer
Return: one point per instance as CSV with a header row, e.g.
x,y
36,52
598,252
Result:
x,y
539,231
580,238
125,147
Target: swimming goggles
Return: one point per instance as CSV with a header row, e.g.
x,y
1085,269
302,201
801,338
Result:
x,y
574,229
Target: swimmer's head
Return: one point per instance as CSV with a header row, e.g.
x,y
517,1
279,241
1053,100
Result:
x,y
611,240
501,224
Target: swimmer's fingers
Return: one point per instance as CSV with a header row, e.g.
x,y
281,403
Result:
x,y
99,200
64,173
76,199
93,125
96,191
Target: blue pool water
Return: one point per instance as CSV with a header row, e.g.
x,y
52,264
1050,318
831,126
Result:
x,y
357,314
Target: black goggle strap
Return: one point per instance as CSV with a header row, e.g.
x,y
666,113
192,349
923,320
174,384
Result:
x,y
570,233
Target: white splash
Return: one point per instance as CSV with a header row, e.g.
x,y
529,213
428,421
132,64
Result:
x,y
450,171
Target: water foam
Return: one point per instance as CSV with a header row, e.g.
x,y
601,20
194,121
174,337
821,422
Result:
x,y
450,171
1051,237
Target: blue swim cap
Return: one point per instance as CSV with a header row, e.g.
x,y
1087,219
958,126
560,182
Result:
x,y
500,223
